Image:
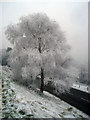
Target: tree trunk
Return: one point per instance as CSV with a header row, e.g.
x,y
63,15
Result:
x,y
42,80
42,69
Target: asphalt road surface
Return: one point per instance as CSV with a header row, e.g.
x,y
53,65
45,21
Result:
x,y
77,98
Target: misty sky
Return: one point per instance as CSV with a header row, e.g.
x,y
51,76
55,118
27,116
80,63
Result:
x,y
72,17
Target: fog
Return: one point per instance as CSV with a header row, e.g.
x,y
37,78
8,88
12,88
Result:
x,y
71,16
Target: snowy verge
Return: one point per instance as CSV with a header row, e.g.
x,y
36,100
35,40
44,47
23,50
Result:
x,y
45,105
81,87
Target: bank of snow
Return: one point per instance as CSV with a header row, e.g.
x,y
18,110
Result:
x,y
81,87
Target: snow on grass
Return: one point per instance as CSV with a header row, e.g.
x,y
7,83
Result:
x,y
45,105
82,87
10,107
28,103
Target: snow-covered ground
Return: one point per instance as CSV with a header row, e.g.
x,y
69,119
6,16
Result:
x,y
46,105
31,103
81,87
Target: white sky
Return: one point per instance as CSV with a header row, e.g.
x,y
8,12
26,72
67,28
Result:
x,y
72,17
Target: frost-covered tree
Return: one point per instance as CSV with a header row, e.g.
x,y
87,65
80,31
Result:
x,y
40,48
4,54
83,74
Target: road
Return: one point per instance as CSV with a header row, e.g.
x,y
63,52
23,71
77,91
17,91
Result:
x,y
76,98
79,99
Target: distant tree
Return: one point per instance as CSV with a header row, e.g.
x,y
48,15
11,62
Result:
x,y
83,74
4,54
40,47
8,49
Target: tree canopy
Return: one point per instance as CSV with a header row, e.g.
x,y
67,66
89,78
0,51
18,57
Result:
x,y
40,47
